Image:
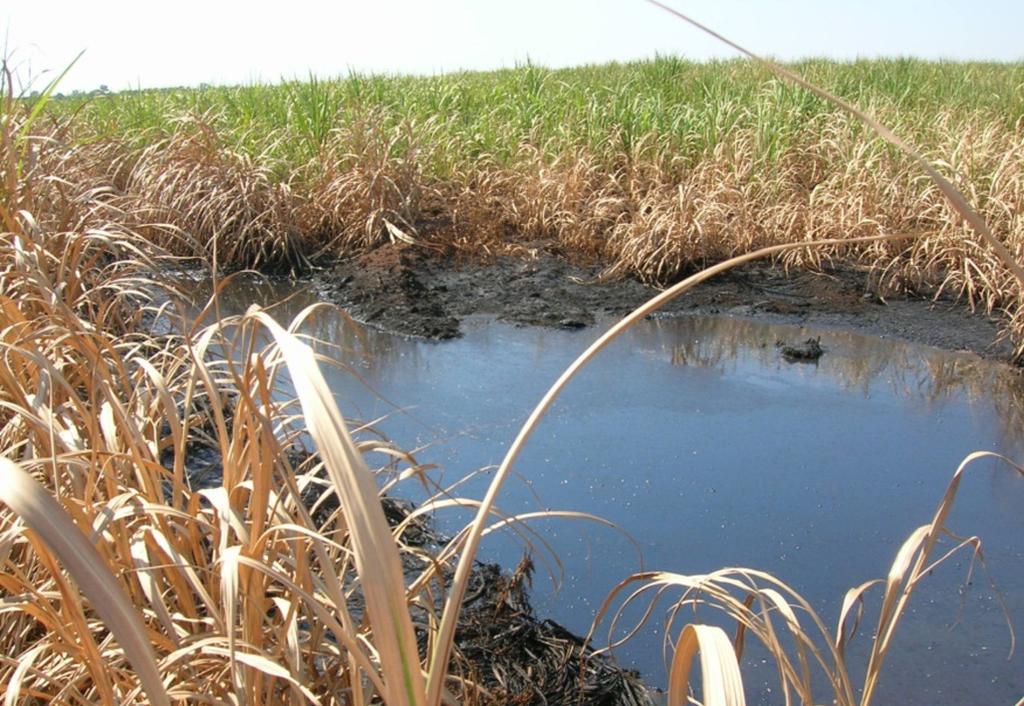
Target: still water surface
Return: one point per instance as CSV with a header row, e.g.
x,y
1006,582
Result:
x,y
701,443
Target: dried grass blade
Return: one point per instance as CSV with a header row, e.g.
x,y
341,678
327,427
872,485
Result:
x,y
265,665
229,596
44,516
317,606
720,672
853,597
376,555
25,661
739,642
910,564
189,575
151,588
397,235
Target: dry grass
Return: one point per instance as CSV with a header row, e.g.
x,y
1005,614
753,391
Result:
x,y
367,178
233,593
238,593
236,214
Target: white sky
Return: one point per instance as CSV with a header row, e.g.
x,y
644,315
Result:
x,y
149,44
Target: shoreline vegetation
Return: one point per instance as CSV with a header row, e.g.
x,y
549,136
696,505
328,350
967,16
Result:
x,y
285,581
652,169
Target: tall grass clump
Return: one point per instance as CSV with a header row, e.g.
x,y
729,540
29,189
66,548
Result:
x,y
277,581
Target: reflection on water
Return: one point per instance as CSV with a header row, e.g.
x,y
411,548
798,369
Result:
x,y
856,362
694,436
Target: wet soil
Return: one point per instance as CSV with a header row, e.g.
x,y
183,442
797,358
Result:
x,y
418,292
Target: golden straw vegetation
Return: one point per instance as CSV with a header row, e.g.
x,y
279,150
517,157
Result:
x,y
283,581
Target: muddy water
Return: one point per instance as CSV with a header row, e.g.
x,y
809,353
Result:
x,y
700,442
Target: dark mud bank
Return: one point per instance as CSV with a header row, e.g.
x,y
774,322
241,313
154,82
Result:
x,y
414,291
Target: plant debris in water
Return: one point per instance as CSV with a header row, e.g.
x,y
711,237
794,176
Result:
x,y
807,352
523,660
500,645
